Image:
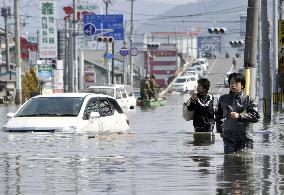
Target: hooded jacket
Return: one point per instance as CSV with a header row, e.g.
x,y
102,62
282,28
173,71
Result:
x,y
236,131
203,116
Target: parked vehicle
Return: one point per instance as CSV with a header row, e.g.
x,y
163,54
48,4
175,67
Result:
x,y
122,93
68,112
209,55
203,62
226,77
200,70
191,73
184,84
192,69
215,101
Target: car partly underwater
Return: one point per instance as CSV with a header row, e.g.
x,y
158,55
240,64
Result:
x,y
68,112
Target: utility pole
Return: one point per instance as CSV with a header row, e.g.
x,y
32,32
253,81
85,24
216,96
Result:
x,y
265,64
124,78
275,49
107,2
66,59
75,57
6,12
131,43
250,47
18,98
280,9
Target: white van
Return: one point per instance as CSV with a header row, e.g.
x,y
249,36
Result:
x,y
203,62
122,93
184,84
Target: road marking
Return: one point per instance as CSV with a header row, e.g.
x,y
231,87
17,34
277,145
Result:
x,y
208,72
221,89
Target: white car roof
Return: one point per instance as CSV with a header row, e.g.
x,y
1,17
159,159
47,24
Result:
x,y
72,95
185,77
108,86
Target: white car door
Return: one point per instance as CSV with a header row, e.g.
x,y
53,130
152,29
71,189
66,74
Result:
x,y
111,121
124,98
94,125
120,99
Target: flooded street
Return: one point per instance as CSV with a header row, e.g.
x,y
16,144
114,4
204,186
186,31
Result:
x,y
163,155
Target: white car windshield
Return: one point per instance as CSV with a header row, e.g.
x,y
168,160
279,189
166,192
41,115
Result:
x,y
105,91
180,80
51,106
201,62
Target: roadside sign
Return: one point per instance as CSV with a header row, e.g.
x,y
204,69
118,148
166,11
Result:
x,y
89,29
108,56
124,51
134,51
48,31
108,25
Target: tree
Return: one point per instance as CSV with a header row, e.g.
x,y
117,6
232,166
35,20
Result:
x,y
30,85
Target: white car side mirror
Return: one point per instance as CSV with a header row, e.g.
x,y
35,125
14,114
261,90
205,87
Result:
x,y
94,115
10,114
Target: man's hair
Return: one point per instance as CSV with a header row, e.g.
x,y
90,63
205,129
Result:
x,y
205,83
153,76
238,77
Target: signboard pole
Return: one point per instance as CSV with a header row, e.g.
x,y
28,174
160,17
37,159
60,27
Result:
x,y
18,98
131,43
75,64
65,75
112,63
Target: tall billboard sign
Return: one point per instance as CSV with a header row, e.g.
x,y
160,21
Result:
x,y
48,31
209,44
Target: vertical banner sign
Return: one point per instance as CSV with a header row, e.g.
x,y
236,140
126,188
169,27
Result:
x,y
44,72
281,46
48,31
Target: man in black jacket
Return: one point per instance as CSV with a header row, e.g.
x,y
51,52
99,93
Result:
x,y
236,111
202,105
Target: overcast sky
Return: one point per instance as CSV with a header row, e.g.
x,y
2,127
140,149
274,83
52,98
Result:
x,y
173,2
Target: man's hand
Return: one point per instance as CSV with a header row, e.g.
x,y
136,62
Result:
x,y
234,115
194,97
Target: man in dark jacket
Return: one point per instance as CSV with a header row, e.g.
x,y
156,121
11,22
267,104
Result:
x,y
235,113
153,87
145,88
202,105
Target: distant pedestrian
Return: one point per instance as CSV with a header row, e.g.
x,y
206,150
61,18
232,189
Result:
x,y
202,105
235,113
234,63
153,87
145,88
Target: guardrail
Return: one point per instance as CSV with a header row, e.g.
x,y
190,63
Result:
x,y
180,71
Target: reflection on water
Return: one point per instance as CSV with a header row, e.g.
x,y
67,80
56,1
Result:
x,y
163,155
203,139
237,175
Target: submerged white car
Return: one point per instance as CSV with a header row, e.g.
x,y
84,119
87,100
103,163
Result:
x,y
68,112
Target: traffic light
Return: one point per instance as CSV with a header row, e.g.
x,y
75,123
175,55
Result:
x,y
54,63
214,30
152,46
237,43
105,39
